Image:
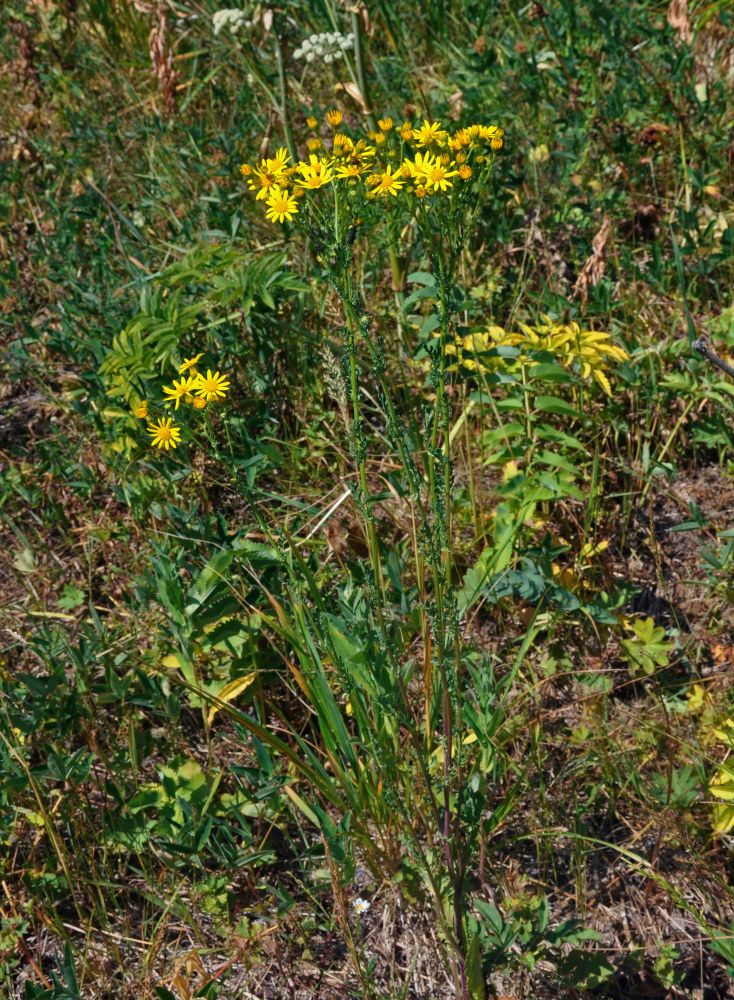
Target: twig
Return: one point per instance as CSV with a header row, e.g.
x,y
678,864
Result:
x,y
703,348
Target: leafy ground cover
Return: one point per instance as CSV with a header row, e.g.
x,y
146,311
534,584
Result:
x,y
406,672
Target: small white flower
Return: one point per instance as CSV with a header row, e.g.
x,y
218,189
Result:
x,y
230,17
360,905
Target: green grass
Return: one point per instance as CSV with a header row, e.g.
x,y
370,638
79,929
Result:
x,y
290,665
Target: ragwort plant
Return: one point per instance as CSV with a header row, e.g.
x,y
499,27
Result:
x,y
344,187
417,812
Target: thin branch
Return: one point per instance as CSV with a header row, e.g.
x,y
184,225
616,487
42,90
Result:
x,y
703,348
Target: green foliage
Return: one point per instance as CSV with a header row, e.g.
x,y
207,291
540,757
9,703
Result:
x,y
229,701
648,650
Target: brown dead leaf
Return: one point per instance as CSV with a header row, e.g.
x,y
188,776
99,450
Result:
x,y
595,265
653,133
354,92
678,19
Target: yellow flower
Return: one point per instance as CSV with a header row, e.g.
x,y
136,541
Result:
x,y
406,132
264,177
490,132
141,410
268,173
334,118
428,133
213,386
385,124
496,142
314,144
437,176
388,183
420,165
164,435
316,173
180,389
363,150
311,121
464,171
245,169
380,138
460,157
281,205
189,364
199,403
420,191
352,170
280,159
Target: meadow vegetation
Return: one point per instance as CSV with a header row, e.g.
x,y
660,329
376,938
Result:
x,y
366,499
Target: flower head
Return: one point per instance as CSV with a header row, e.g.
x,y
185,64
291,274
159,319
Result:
x,y
214,386
311,121
164,435
420,165
352,170
268,173
360,905
189,364
315,173
141,410
334,118
388,182
437,176
406,132
281,205
180,389
428,133
246,170
385,124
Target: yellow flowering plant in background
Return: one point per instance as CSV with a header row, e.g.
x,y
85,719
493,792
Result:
x,y
589,351
194,389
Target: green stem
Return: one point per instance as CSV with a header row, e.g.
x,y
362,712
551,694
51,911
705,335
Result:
x,y
283,110
359,68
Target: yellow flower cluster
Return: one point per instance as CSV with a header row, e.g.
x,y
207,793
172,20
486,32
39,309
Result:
x,y
415,160
195,389
592,349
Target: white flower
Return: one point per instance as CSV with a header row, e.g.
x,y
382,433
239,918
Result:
x,y
360,905
230,17
328,45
